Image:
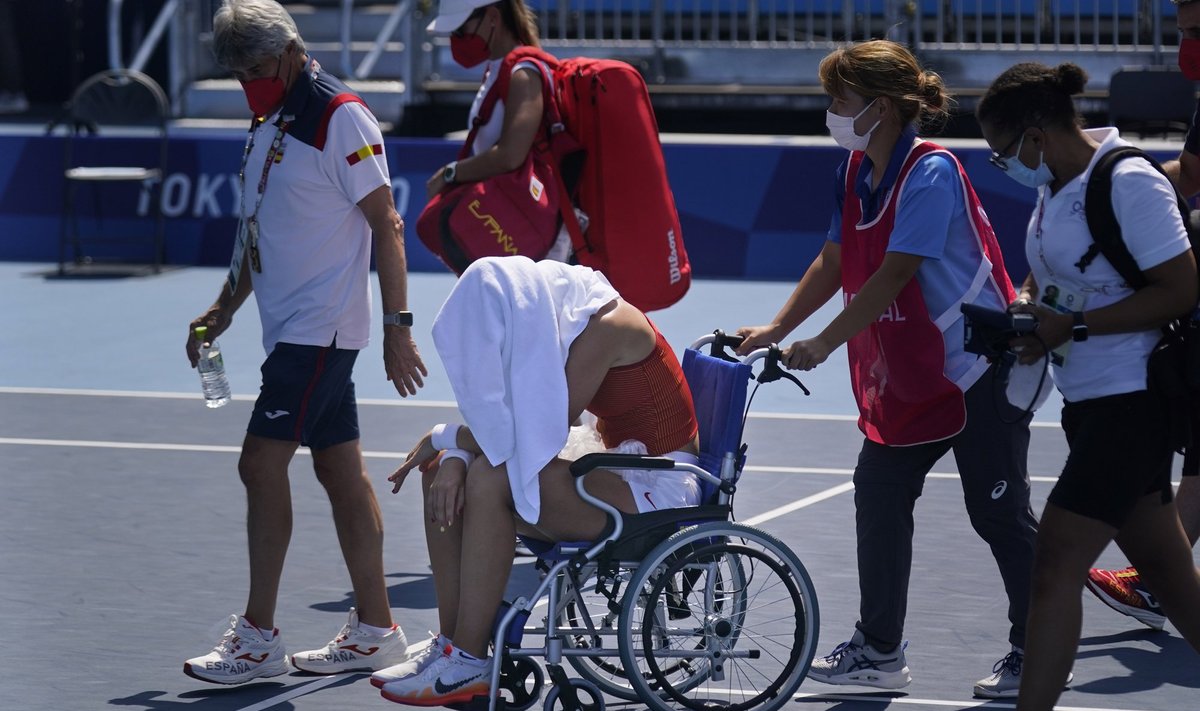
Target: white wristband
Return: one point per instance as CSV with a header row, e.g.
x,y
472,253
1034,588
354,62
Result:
x,y
444,436
455,453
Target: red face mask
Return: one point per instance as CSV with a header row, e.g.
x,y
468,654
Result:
x,y
1189,58
264,95
470,50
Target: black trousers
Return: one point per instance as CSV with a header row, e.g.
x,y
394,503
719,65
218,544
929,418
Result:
x,y
991,457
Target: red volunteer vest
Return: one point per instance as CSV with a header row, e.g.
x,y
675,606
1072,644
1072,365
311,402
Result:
x,y
897,364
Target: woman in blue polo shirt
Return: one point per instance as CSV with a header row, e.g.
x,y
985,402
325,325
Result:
x,y
908,244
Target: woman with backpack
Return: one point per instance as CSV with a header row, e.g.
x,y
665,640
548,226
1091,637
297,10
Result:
x,y
1116,483
907,245
506,116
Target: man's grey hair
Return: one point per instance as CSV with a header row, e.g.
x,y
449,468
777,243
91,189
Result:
x,y
245,31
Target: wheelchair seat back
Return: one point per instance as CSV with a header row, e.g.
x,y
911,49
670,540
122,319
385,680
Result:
x,y
719,396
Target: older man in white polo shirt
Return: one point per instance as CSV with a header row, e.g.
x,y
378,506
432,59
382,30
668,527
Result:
x,y
315,190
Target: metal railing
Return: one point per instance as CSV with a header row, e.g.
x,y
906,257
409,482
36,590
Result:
x,y
167,16
400,14
699,41
1056,24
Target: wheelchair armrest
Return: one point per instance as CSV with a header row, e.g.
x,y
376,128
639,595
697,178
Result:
x,y
598,460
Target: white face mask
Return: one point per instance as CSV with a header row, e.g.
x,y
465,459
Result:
x,y
842,130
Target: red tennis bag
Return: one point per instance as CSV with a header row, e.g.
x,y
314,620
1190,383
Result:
x,y
633,235
514,213
508,214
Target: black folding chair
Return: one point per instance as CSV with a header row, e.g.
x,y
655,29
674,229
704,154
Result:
x,y
135,105
1151,100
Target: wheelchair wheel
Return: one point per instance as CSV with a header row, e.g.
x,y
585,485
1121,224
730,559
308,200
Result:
x,y
604,670
725,604
581,696
607,671
521,681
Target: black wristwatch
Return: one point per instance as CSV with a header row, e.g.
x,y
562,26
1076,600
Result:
x,y
1079,331
400,318
449,172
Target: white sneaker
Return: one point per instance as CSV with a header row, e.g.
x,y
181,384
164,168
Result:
x,y
1005,681
856,662
450,679
420,656
241,655
354,649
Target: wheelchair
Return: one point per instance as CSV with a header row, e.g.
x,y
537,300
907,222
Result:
x,y
676,609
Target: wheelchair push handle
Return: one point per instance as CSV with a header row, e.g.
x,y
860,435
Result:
x,y
771,371
718,341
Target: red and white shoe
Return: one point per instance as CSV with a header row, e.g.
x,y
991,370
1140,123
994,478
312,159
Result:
x,y
1123,591
354,649
241,655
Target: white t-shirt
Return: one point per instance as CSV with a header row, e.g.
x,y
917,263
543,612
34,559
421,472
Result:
x,y
489,133
1057,236
314,241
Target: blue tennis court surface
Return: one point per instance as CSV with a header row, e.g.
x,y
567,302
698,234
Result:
x,y
122,541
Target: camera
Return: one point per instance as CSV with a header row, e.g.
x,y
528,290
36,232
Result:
x,y
986,332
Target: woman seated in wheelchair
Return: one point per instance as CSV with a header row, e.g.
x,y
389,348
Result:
x,y
528,346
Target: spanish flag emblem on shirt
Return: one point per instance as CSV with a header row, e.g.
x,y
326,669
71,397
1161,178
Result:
x,y
364,153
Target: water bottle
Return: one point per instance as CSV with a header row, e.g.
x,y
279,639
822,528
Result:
x,y
212,371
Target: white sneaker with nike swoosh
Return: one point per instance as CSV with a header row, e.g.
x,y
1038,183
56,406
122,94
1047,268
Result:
x,y
419,656
354,649
451,679
241,655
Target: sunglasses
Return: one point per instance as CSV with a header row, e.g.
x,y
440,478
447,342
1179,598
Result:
x,y
1000,158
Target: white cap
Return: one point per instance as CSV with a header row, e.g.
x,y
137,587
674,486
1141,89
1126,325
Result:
x,y
452,13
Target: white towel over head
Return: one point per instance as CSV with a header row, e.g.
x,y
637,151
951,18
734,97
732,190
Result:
x,y
503,335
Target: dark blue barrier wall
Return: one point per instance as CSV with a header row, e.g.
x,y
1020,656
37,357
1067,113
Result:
x,y
748,211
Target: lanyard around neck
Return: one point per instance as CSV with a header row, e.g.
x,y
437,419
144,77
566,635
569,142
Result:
x,y
281,127
248,225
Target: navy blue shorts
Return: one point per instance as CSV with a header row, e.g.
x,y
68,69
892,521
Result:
x,y
1119,453
307,396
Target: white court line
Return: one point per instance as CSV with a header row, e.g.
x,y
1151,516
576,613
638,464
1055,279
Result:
x,y
166,395
799,504
369,454
166,446
850,472
293,692
385,402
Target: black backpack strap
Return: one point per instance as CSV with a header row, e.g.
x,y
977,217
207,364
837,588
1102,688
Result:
x,y
1102,220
